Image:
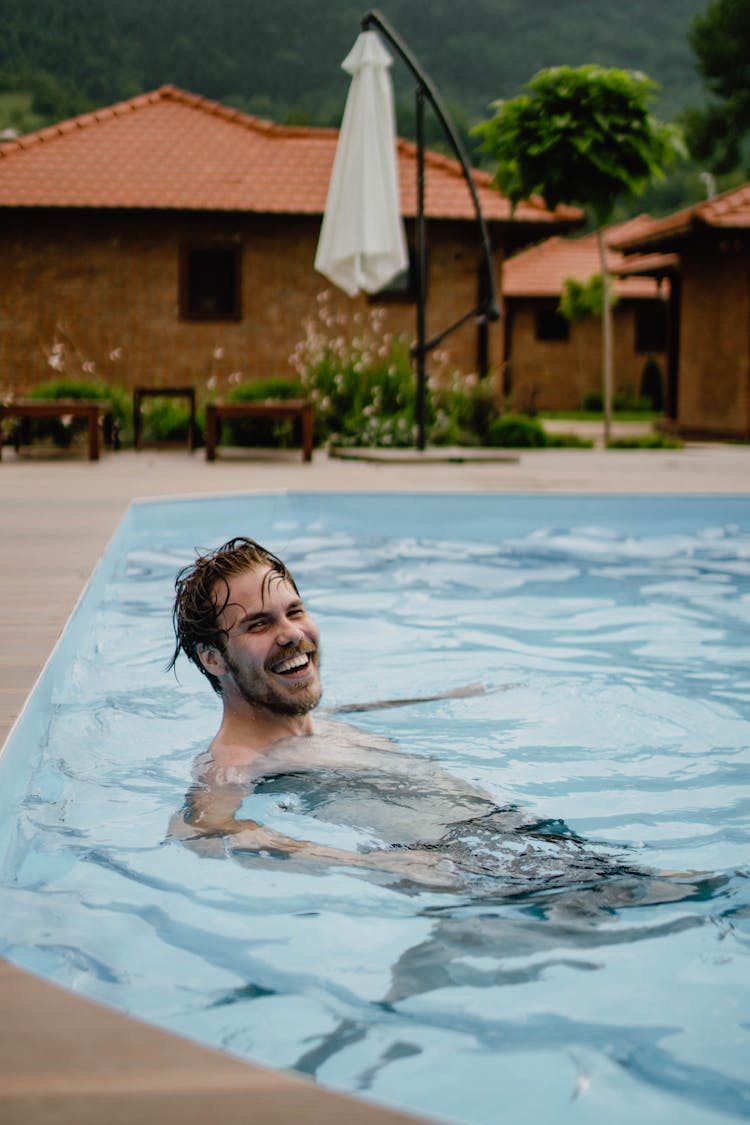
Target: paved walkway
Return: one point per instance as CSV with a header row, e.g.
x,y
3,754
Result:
x,y
61,1058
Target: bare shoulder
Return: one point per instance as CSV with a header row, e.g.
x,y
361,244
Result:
x,y
332,745
212,773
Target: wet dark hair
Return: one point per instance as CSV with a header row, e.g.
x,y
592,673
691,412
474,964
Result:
x,y
198,602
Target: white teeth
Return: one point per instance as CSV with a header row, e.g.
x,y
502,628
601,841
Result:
x,y
298,661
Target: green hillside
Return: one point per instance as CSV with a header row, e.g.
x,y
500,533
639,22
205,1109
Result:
x,y
281,58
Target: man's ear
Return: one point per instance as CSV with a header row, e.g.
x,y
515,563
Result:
x,y
212,660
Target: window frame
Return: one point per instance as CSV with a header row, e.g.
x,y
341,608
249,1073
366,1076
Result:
x,y
645,334
186,295
549,312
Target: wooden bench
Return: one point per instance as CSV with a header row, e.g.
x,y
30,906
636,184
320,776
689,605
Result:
x,y
294,408
139,393
96,412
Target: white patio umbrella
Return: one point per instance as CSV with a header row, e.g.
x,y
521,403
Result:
x,y
362,245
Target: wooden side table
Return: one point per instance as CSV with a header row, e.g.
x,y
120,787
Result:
x,y
139,393
292,408
93,410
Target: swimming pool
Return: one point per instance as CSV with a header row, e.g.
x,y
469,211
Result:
x,y
616,629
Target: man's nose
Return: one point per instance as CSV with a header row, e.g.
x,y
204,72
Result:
x,y
288,634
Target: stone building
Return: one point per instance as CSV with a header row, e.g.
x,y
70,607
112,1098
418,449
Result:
x,y
169,240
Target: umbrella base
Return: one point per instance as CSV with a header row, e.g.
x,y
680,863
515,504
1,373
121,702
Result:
x,y
437,454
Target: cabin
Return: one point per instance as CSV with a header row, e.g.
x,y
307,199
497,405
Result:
x,y
551,363
709,386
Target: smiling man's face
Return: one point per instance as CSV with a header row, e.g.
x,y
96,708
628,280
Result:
x,y
272,649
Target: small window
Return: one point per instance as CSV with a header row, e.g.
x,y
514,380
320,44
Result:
x,y
551,325
210,283
651,326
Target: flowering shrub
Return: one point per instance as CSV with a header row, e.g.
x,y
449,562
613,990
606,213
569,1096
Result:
x,y
361,379
463,410
358,376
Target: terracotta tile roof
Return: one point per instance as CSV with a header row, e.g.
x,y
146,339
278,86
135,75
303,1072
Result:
x,y
728,211
648,265
172,150
542,270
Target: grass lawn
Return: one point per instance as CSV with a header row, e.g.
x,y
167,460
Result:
x,y
597,416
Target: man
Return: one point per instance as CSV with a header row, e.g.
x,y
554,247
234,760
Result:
x,y
239,617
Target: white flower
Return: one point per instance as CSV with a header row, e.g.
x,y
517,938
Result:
x,y
218,353
115,354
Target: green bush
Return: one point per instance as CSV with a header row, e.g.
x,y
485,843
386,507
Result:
x,y
263,432
166,420
516,431
61,432
568,441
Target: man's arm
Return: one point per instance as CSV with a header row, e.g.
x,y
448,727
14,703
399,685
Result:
x,y
455,693
209,815
210,811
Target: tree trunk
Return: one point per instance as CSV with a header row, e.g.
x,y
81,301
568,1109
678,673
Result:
x,y
607,357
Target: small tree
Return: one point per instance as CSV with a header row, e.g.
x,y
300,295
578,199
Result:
x,y
581,299
581,135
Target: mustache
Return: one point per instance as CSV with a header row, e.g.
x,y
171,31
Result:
x,y
304,648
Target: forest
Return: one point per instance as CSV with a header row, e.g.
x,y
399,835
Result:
x,y
280,59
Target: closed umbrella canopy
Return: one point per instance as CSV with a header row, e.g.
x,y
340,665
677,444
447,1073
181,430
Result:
x,y
362,244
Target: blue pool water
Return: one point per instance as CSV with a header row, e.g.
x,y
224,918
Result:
x,y
615,631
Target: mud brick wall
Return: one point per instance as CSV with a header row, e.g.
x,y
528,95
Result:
x,y
714,386
106,285
556,374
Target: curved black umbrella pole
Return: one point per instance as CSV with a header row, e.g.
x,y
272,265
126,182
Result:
x,y
487,309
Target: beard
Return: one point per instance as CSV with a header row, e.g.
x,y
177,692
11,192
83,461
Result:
x,y
258,690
